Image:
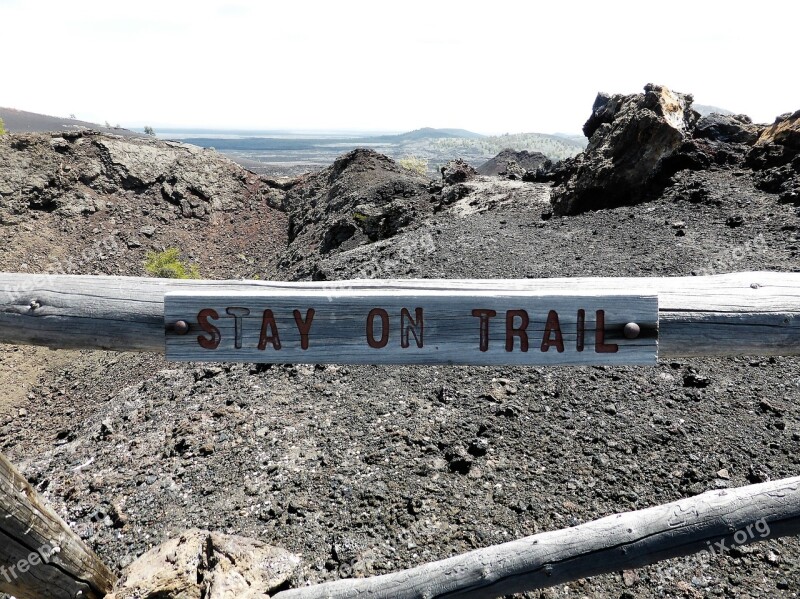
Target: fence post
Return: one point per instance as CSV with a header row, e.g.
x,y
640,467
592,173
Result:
x,y
713,522
40,557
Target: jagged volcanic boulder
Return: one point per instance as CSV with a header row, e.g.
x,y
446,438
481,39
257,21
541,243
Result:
x,y
457,171
512,164
734,128
362,197
776,158
629,139
721,140
785,131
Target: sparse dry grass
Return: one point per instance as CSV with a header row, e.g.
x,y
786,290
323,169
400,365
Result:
x,y
414,164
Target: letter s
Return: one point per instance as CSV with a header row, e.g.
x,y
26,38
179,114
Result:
x,y
202,320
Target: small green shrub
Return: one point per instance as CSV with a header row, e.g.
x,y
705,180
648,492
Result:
x,y
2,127
415,164
166,265
148,130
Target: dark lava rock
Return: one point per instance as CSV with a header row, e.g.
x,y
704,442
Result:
x,y
457,171
459,460
550,172
778,145
735,220
510,162
604,109
512,171
758,473
362,197
736,128
785,131
451,195
478,447
776,158
698,381
629,138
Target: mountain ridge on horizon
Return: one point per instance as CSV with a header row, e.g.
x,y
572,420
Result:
x,y
270,152
25,121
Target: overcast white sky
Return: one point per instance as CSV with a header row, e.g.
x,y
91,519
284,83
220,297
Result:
x,y
488,66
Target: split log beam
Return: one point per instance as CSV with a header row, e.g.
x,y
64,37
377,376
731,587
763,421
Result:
x,y
751,313
715,521
40,557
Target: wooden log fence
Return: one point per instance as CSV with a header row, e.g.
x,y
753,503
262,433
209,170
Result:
x,y
753,313
714,522
40,557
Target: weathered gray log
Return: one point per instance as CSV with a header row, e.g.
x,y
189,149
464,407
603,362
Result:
x,y
754,313
714,522
40,557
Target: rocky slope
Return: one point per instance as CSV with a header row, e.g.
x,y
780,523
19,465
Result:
x,y
86,202
363,197
363,470
22,121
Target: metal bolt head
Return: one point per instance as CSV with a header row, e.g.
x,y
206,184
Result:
x,y
181,327
631,330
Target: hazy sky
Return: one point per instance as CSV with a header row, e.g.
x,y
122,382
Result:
x,y
488,66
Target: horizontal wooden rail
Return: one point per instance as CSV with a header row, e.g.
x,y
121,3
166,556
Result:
x,y
714,522
751,313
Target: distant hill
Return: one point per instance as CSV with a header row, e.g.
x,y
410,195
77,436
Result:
x,y
425,133
256,142
22,121
431,133
578,138
292,154
704,109
309,151
555,147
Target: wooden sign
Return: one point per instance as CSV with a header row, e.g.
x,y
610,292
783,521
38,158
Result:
x,y
411,327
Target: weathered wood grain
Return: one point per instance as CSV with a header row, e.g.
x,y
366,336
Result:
x,y
714,521
40,557
752,313
411,327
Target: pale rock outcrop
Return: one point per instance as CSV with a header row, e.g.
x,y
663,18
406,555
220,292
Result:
x,y
207,565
